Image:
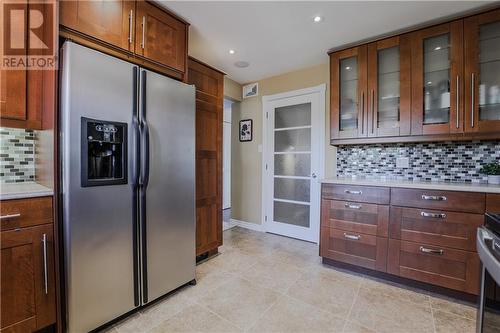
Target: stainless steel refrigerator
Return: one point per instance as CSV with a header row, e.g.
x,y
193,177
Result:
x,y
127,152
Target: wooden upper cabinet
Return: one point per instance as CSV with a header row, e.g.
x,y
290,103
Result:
x,y
13,94
482,72
160,37
348,78
389,92
109,21
437,79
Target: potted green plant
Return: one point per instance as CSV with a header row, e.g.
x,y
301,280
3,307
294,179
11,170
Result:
x,y
493,172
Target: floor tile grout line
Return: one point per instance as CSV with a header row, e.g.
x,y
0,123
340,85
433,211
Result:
x,y
351,307
433,318
263,313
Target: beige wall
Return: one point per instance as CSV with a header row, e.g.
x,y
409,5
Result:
x,y
232,89
246,160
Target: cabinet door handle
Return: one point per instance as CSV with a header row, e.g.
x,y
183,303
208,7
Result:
x,y
362,112
10,216
434,197
457,101
472,103
433,215
143,43
130,27
431,251
45,268
352,237
352,206
353,192
373,111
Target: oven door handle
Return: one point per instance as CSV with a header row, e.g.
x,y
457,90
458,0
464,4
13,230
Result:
x,y
484,250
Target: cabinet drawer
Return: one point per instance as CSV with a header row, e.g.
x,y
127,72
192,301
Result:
x,y
371,219
493,203
442,266
370,194
21,213
445,200
451,229
354,248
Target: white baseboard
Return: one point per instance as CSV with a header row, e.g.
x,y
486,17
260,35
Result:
x,y
248,225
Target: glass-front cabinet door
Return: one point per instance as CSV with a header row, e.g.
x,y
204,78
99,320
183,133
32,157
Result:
x,y
348,94
437,102
482,72
389,92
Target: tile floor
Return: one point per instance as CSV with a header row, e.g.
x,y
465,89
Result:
x,y
267,283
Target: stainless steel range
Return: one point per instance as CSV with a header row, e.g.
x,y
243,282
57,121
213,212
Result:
x,y
488,248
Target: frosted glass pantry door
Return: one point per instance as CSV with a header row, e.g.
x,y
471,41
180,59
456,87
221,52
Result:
x,y
291,158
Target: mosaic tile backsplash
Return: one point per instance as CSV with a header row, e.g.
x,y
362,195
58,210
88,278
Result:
x,y
17,155
443,161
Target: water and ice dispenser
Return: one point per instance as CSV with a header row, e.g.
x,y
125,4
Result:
x,y
104,152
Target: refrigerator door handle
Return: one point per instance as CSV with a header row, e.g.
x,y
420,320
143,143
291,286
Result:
x,y
144,134
135,179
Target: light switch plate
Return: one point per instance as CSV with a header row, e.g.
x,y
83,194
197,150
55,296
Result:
x,y
402,162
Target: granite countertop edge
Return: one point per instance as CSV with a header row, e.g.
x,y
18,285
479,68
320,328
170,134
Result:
x,y
24,190
462,187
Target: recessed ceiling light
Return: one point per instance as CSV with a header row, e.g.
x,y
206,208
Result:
x,y
232,52
241,64
317,19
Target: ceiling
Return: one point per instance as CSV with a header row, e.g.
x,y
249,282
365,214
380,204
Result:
x,y
278,37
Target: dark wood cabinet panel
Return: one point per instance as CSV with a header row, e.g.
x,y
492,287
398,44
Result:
x,y
370,219
28,279
469,202
160,37
450,268
348,99
482,73
493,203
209,103
356,193
389,87
363,250
20,213
437,75
440,228
13,94
109,21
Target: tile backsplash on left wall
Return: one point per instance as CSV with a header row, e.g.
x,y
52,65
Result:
x,y
17,155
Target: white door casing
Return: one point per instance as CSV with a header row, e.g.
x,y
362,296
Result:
x,y
293,136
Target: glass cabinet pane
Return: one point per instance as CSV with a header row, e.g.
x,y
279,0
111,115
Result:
x,y
388,87
489,68
349,93
437,79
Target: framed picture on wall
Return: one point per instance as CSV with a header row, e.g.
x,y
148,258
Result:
x,y
246,128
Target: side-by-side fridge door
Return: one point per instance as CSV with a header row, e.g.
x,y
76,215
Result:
x,y
167,116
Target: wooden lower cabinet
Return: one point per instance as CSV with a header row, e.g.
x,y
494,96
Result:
x,y
358,249
28,279
439,265
209,84
424,235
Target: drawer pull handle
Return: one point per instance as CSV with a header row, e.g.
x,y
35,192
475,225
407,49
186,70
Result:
x,y
434,197
433,215
353,192
10,216
348,205
431,251
352,237
45,264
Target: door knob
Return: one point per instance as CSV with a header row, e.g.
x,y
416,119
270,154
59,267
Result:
x,y
313,175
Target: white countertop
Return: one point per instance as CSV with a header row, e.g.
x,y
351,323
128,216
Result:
x,y
445,186
23,190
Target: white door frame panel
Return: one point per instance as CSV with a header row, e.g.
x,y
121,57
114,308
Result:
x,y
315,95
